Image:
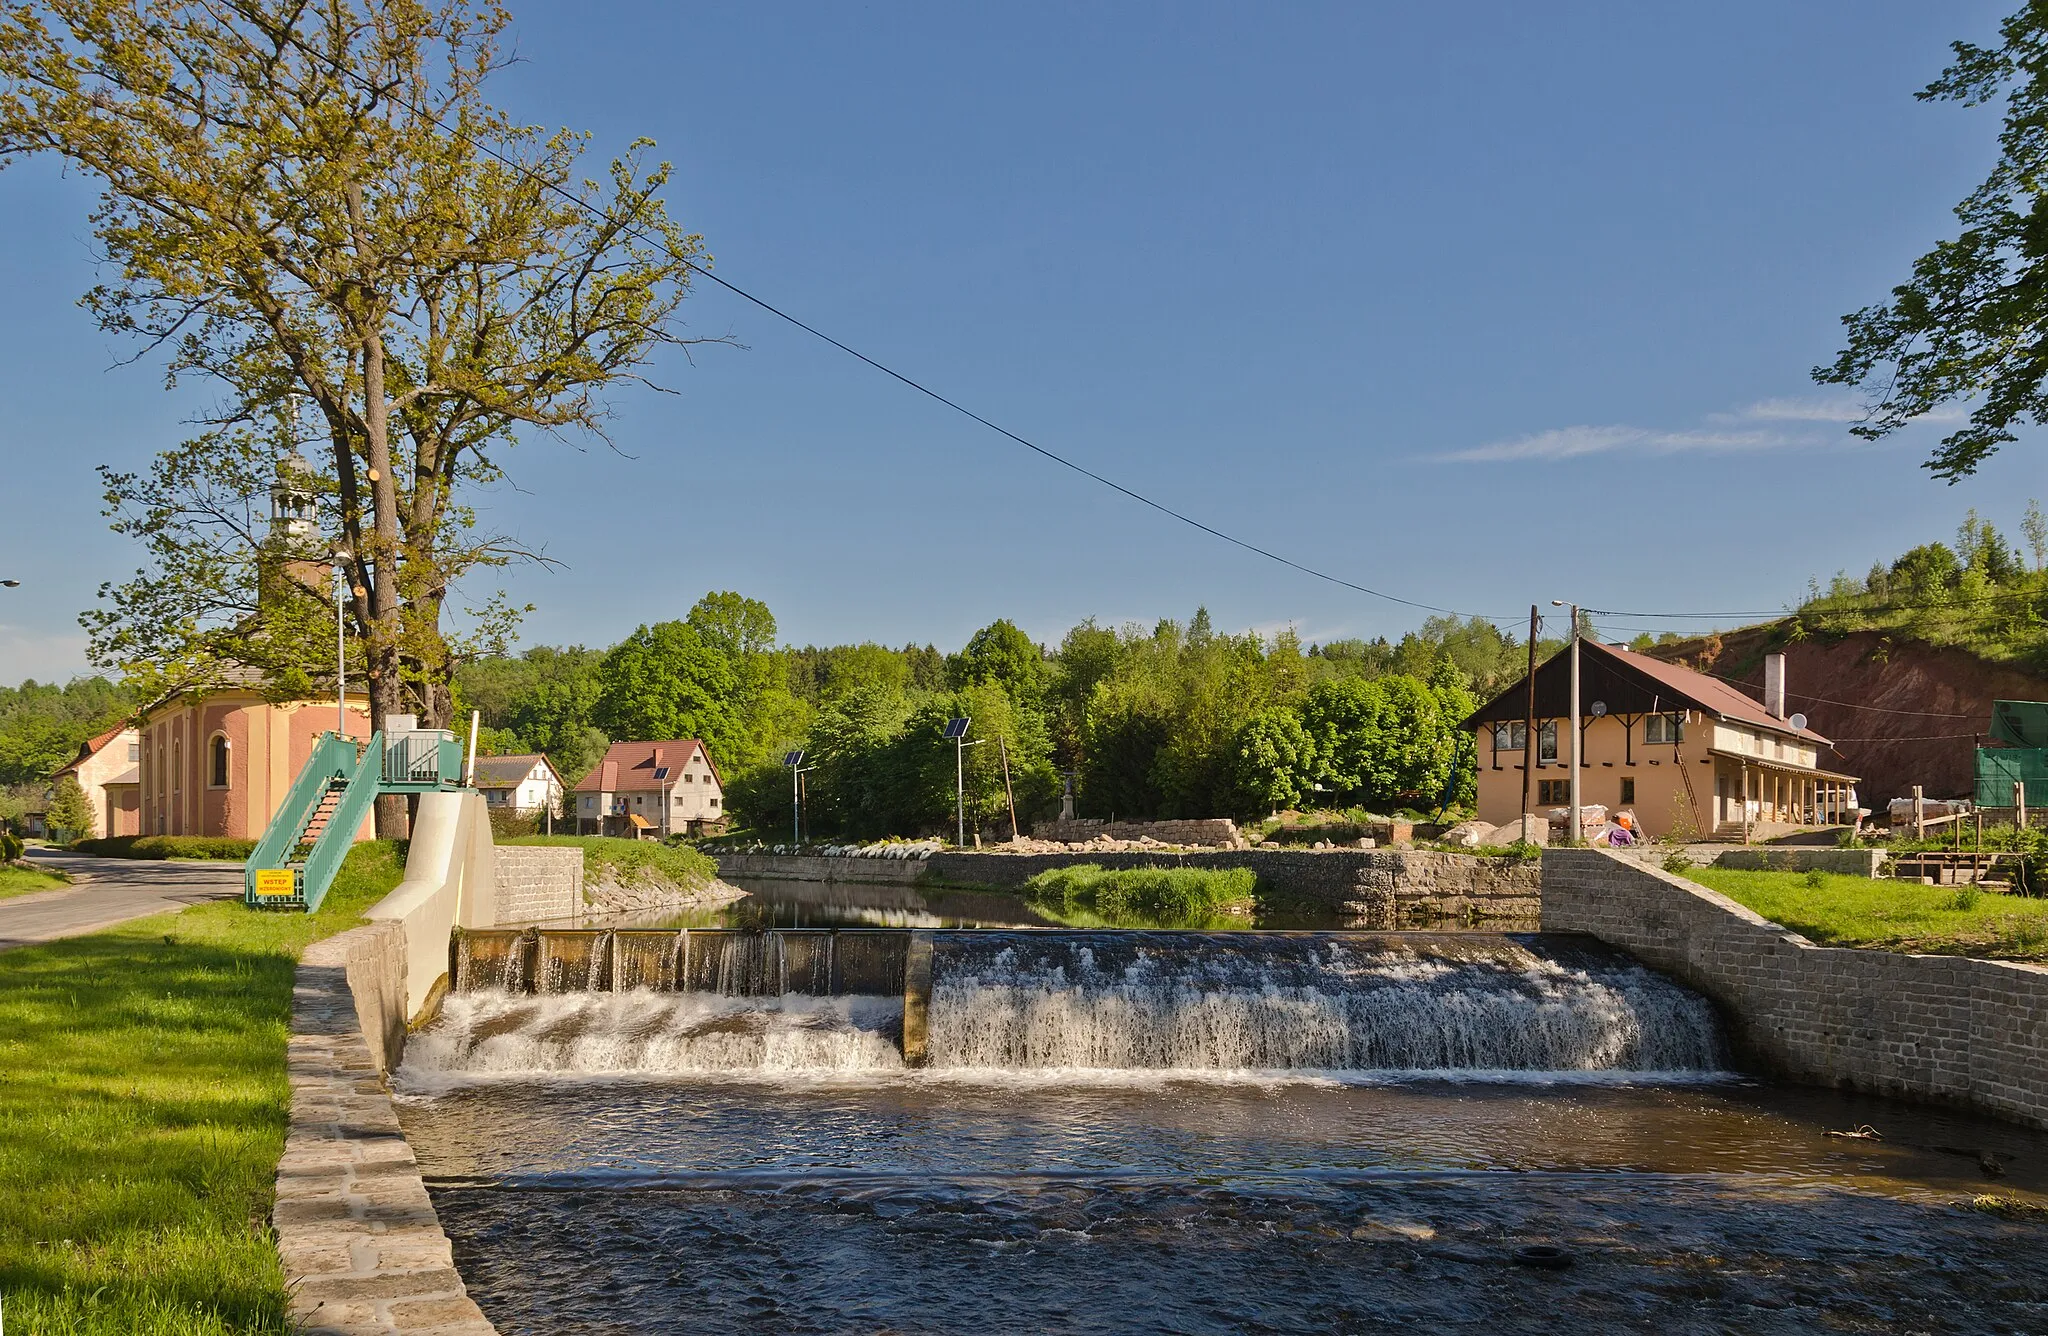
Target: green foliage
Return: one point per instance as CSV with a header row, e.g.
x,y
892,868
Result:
x,y
144,1094
70,816
665,681
26,879
1979,596
631,861
1148,896
216,847
42,725
11,847
1966,327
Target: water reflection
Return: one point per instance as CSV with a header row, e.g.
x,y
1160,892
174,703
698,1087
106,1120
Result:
x,y
919,1204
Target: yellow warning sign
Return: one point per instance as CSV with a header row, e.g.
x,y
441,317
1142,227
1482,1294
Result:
x,y
276,881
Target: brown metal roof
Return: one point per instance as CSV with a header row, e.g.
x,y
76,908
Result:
x,y
1629,683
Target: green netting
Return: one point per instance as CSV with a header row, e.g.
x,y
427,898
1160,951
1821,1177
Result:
x,y
2023,723
1998,768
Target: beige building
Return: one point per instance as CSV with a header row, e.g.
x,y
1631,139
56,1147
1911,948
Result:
x,y
1691,756
650,790
526,784
219,763
106,767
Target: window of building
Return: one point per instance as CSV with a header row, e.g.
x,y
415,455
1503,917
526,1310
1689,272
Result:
x,y
1628,791
714,802
1510,737
217,762
1667,729
1554,792
689,779
1546,740
134,751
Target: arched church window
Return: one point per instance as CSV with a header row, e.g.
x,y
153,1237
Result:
x,y
217,761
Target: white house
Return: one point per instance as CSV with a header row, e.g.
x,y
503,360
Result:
x,y
650,789
524,784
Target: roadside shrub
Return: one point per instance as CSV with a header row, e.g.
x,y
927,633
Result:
x,y
11,847
216,847
1167,895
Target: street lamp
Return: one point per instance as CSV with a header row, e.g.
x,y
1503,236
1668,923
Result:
x,y
341,557
1573,831
797,770
956,729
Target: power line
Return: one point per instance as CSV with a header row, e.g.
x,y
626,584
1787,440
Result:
x,y
392,94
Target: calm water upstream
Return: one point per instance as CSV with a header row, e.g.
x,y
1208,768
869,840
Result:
x,y
1128,1133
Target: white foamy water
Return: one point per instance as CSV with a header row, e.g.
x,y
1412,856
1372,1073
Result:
x,y
1327,1007
644,1032
1079,1007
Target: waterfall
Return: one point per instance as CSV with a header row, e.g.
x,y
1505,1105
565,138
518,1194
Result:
x,y
646,1032
1135,1001
817,1001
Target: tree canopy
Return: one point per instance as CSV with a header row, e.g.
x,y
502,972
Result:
x,y
1971,324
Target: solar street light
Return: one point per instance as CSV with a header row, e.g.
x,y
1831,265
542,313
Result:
x,y
797,770
956,729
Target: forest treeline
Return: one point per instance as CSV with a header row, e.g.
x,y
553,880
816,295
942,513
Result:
x,y
1174,719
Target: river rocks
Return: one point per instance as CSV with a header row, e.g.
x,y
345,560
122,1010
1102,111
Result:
x,y
610,895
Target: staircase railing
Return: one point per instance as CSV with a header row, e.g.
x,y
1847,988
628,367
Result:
x,y
339,834
333,757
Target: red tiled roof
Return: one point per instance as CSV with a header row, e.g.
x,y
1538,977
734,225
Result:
x,y
92,747
630,766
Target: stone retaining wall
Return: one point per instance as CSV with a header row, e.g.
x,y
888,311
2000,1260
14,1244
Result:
x,y
363,1251
817,867
1795,858
1220,833
1943,1028
538,882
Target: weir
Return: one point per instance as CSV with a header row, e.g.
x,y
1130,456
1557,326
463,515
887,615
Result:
x,y
792,1000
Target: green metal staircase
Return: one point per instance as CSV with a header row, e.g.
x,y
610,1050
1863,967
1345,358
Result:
x,y
294,863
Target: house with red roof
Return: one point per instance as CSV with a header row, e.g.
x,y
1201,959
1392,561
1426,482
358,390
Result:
x,y
651,790
1689,755
107,769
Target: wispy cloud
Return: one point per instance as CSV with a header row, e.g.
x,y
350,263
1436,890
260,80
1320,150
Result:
x,y
1576,442
1827,408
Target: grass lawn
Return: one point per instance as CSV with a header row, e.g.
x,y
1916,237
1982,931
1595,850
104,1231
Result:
x,y
1895,916
143,1101
29,880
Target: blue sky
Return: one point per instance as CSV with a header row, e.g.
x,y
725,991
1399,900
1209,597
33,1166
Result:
x,y
1480,305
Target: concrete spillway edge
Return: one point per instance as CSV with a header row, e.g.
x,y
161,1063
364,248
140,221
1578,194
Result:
x,y
362,1248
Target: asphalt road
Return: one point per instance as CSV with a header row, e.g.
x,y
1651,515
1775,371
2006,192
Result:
x,y
109,891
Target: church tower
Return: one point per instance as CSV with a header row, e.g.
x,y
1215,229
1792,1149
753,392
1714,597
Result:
x,y
292,551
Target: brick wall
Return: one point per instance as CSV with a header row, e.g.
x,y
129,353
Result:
x,y
539,882
1220,833
1945,1028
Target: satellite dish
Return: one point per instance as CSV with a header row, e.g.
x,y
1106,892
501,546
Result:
x,y
1798,722
1598,708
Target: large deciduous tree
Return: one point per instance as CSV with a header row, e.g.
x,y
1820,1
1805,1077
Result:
x,y
313,208
1971,325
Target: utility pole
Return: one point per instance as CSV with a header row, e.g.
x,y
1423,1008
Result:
x,y
1008,792
1529,727
1573,832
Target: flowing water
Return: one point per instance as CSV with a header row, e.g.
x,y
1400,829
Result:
x,y
1176,1132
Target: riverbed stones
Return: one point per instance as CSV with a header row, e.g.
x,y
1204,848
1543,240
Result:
x,y
362,1248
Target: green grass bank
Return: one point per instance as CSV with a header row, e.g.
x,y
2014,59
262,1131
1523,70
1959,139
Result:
x,y
631,861
1890,915
18,880
1090,895
143,1104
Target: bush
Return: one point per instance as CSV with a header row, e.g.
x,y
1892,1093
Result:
x,y
11,847
1678,863
216,847
1168,895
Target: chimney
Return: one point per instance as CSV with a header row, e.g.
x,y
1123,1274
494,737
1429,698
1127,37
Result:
x,y
1774,685
657,757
